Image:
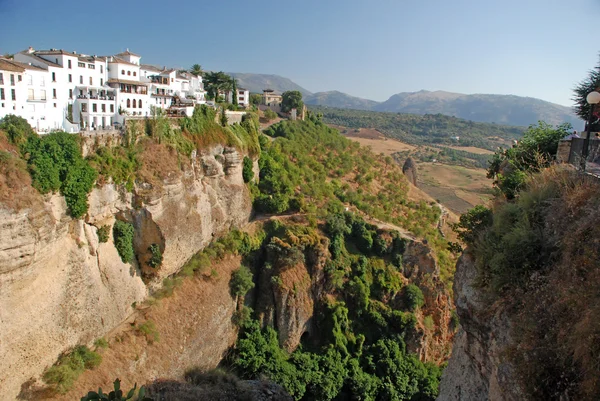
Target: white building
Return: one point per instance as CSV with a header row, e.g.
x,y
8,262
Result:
x,y
243,97
60,90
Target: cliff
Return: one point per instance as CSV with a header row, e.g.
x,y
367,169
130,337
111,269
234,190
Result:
x,y
526,293
478,368
60,286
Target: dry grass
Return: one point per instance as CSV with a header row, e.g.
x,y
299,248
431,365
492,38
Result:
x,y
471,149
375,140
187,319
16,192
159,162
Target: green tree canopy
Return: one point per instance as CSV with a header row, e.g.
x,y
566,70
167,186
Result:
x,y
196,69
582,108
536,150
215,82
291,100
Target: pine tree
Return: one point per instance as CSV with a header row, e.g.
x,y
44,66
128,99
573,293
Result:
x,y
582,108
234,97
223,117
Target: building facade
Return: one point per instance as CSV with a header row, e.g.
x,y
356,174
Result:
x,y
60,90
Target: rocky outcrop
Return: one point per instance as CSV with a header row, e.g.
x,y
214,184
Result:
x,y
59,286
431,344
478,368
288,294
409,169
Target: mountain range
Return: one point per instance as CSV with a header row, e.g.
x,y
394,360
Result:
x,y
489,108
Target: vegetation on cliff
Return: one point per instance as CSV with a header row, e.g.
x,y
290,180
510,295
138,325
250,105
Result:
x,y
152,151
361,323
309,164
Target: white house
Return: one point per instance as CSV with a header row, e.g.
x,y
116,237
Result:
x,y
61,90
131,93
243,97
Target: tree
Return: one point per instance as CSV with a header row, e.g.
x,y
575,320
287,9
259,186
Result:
x,y
223,117
234,97
255,99
216,83
196,70
582,108
269,115
509,168
291,100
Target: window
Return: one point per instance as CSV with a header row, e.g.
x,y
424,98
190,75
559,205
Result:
x,y
103,108
42,81
91,66
30,94
1,93
122,72
12,79
140,103
171,79
81,79
134,73
43,96
91,81
54,105
128,72
94,107
13,94
81,64
84,107
70,93
101,69
53,77
128,102
29,79
1,79
101,82
134,103
54,94
69,63
112,108
70,78
20,78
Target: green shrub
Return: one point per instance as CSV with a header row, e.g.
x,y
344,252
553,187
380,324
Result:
x,y
117,394
149,330
69,367
55,163
413,297
247,171
123,238
269,115
157,258
103,233
241,281
101,343
17,129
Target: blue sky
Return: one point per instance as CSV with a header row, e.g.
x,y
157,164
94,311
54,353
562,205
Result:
x,y
367,48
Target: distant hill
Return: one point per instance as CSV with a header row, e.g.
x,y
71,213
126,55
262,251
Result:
x,y
424,129
500,109
255,83
340,100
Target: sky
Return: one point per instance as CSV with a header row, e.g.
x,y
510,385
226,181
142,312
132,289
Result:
x,y
366,48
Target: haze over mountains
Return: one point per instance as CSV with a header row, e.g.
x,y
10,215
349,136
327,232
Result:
x,y
500,109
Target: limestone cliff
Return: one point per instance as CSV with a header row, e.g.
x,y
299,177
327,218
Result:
x,y
478,368
60,287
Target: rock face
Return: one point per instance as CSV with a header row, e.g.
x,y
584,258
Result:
x,y
409,169
422,270
60,287
477,369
